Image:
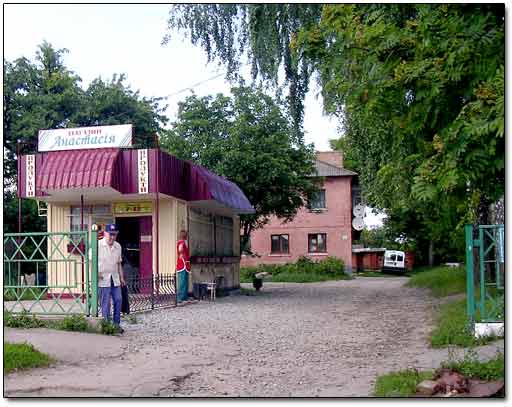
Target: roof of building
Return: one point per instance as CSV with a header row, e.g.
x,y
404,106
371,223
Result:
x,y
324,169
115,172
369,250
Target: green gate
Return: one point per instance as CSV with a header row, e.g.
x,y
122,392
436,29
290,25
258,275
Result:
x,y
51,273
485,268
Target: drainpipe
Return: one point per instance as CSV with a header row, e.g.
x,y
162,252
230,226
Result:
x,y
83,254
157,209
19,202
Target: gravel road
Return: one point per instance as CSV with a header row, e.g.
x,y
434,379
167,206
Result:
x,y
326,339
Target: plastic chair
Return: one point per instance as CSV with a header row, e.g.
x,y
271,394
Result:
x,y
211,287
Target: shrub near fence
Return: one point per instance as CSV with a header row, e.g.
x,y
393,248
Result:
x,y
303,271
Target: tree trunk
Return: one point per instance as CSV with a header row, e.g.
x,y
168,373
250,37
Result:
x,y
431,253
246,236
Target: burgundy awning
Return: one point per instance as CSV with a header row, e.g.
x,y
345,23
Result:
x,y
210,186
59,171
95,168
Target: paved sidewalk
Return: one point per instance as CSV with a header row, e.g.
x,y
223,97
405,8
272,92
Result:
x,y
68,347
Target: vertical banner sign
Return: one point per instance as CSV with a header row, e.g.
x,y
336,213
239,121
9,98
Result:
x,y
143,176
30,175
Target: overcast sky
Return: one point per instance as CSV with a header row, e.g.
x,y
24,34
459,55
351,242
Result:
x,y
107,39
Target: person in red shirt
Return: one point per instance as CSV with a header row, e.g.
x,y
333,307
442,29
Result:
x,y
182,266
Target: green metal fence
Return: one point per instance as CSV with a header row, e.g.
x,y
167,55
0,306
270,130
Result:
x,y
485,268
51,273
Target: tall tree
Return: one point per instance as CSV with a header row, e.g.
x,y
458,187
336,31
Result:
x,y
418,90
45,94
261,32
249,139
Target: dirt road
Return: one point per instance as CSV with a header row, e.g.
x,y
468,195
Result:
x,y
325,339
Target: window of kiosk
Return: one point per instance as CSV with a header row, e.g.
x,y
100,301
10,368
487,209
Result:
x,y
100,215
76,224
224,236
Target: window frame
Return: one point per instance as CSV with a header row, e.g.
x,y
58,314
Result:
x,y
280,243
311,203
310,235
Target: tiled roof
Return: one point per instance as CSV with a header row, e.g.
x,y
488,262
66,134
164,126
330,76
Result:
x,y
324,169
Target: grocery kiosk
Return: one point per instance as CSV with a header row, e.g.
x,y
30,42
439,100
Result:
x,y
93,176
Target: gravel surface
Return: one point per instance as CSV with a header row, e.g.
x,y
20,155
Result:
x,y
326,339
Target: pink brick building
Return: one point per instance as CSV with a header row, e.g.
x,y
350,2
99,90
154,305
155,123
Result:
x,y
324,229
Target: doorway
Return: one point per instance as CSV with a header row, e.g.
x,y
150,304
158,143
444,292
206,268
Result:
x,y
136,242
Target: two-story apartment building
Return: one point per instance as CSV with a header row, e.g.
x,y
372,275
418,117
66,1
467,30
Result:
x,y
323,228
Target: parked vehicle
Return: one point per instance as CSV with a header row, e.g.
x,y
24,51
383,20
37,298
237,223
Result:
x,y
394,262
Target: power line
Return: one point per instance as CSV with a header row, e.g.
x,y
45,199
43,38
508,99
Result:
x,y
195,85
200,83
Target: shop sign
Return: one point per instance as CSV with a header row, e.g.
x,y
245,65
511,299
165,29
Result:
x,y
143,176
85,137
123,208
30,175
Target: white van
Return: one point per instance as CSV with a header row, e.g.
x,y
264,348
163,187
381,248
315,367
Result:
x,y
394,261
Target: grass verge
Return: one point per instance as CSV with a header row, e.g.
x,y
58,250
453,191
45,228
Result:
x,y
441,281
76,323
23,356
470,366
452,327
404,382
400,384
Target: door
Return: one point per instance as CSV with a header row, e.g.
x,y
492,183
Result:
x,y
146,247
128,238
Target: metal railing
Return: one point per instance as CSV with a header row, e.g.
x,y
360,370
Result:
x,y
50,273
149,293
485,273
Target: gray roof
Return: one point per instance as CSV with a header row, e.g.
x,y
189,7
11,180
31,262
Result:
x,y
369,250
324,169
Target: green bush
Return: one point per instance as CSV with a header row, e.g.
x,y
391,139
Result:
x,y
108,328
302,271
76,323
23,356
23,320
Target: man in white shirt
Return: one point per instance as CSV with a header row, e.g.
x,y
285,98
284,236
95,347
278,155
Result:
x,y
110,274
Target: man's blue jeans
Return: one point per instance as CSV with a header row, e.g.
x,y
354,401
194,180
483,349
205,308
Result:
x,y
105,294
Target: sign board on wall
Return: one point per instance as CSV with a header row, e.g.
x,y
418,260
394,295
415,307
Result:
x,y
143,171
123,208
30,171
85,137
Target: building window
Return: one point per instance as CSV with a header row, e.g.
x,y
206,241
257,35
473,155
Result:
x,y
223,236
201,233
100,215
210,234
318,200
279,244
317,243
